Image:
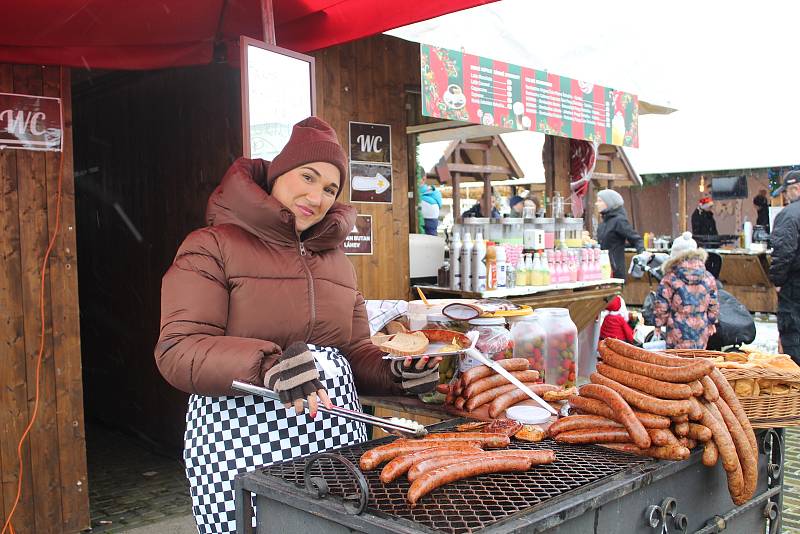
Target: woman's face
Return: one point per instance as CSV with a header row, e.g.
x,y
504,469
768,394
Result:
x,y
600,205
308,192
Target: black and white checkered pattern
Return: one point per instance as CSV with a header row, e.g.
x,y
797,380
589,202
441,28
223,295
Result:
x,y
229,435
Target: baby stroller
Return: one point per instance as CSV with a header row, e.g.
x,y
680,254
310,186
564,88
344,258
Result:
x,y
735,327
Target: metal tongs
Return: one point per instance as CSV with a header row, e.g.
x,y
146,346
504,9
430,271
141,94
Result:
x,y
390,426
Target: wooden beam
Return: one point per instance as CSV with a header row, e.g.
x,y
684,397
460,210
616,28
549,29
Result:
x,y
268,22
606,157
474,146
682,203
607,176
467,167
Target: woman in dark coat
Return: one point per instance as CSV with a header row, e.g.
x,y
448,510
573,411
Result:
x,y
615,230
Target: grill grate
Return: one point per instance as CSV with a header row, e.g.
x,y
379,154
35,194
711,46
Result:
x,y
473,504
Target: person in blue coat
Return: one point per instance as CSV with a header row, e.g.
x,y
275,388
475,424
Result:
x,y
430,204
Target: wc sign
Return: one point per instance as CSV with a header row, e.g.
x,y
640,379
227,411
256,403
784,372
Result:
x,y
370,162
30,122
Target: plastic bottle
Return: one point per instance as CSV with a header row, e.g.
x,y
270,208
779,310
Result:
x,y
479,263
523,278
491,265
455,260
605,265
500,252
511,275
466,263
748,233
573,266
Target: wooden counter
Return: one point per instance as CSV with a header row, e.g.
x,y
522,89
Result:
x,y
743,274
585,300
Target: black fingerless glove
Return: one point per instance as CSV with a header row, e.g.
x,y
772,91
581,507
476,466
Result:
x,y
294,376
415,381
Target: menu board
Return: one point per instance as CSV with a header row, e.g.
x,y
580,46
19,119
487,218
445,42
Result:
x,y
465,87
277,93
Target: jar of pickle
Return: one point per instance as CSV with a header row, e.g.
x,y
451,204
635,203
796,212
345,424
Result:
x,y
560,347
528,335
439,321
494,339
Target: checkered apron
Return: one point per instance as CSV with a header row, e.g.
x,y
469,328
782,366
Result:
x,y
228,435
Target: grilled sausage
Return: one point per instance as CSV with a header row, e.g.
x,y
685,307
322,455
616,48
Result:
x,y
490,440
537,457
682,429
484,384
657,388
460,402
596,407
642,355
586,436
683,374
699,432
689,443
726,392
683,418
383,453
710,391
710,454
662,438
481,371
747,458
662,453
574,422
510,398
697,387
431,480
489,395
727,450
645,402
401,464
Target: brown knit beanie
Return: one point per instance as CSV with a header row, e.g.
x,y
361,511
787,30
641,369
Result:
x,y
312,139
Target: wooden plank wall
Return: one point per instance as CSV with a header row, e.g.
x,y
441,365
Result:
x,y
150,147
54,487
365,81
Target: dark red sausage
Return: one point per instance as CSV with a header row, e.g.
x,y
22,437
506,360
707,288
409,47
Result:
x,y
401,464
657,388
481,371
623,410
596,407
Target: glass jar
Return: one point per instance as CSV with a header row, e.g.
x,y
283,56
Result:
x,y
528,335
472,225
548,226
438,321
494,339
495,231
561,346
574,231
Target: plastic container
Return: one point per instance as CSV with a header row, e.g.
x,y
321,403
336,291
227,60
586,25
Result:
x,y
512,230
561,346
528,415
494,339
529,335
547,225
449,364
574,232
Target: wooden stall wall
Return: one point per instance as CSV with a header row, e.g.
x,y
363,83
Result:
x,y
365,81
54,494
149,149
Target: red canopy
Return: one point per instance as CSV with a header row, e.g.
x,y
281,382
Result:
x,y
148,34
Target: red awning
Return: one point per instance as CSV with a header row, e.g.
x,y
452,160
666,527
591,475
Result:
x,y
149,34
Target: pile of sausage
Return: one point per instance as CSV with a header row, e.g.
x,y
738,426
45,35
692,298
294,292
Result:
x,y
657,405
440,459
481,385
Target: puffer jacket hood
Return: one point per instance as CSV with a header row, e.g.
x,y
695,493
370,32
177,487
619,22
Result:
x,y
689,260
240,199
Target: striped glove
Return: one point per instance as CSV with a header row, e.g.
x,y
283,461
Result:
x,y
415,381
294,376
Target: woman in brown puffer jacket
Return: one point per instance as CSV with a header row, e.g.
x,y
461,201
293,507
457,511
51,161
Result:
x,y
265,294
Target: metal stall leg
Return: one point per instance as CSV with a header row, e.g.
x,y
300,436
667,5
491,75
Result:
x,y
244,508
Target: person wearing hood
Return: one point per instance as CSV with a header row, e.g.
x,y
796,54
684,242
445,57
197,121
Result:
x,y
686,300
430,205
265,294
703,223
615,230
615,324
517,205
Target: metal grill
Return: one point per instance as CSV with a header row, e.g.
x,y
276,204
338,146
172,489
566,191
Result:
x,y
473,504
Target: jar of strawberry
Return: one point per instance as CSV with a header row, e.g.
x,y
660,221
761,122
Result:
x,y
529,335
494,339
560,347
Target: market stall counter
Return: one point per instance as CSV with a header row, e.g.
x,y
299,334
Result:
x,y
743,274
588,489
585,300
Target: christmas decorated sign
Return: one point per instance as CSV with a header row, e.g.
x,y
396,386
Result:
x,y
465,87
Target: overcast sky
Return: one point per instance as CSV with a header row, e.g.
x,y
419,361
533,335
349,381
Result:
x,y
730,68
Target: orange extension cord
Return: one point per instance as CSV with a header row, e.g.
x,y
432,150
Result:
x,y
8,526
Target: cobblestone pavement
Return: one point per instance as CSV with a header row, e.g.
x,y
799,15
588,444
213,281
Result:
x,y
130,485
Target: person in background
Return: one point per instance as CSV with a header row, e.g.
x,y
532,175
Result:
x,y
516,203
265,294
686,300
430,204
703,223
615,230
784,270
477,211
762,209
615,325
